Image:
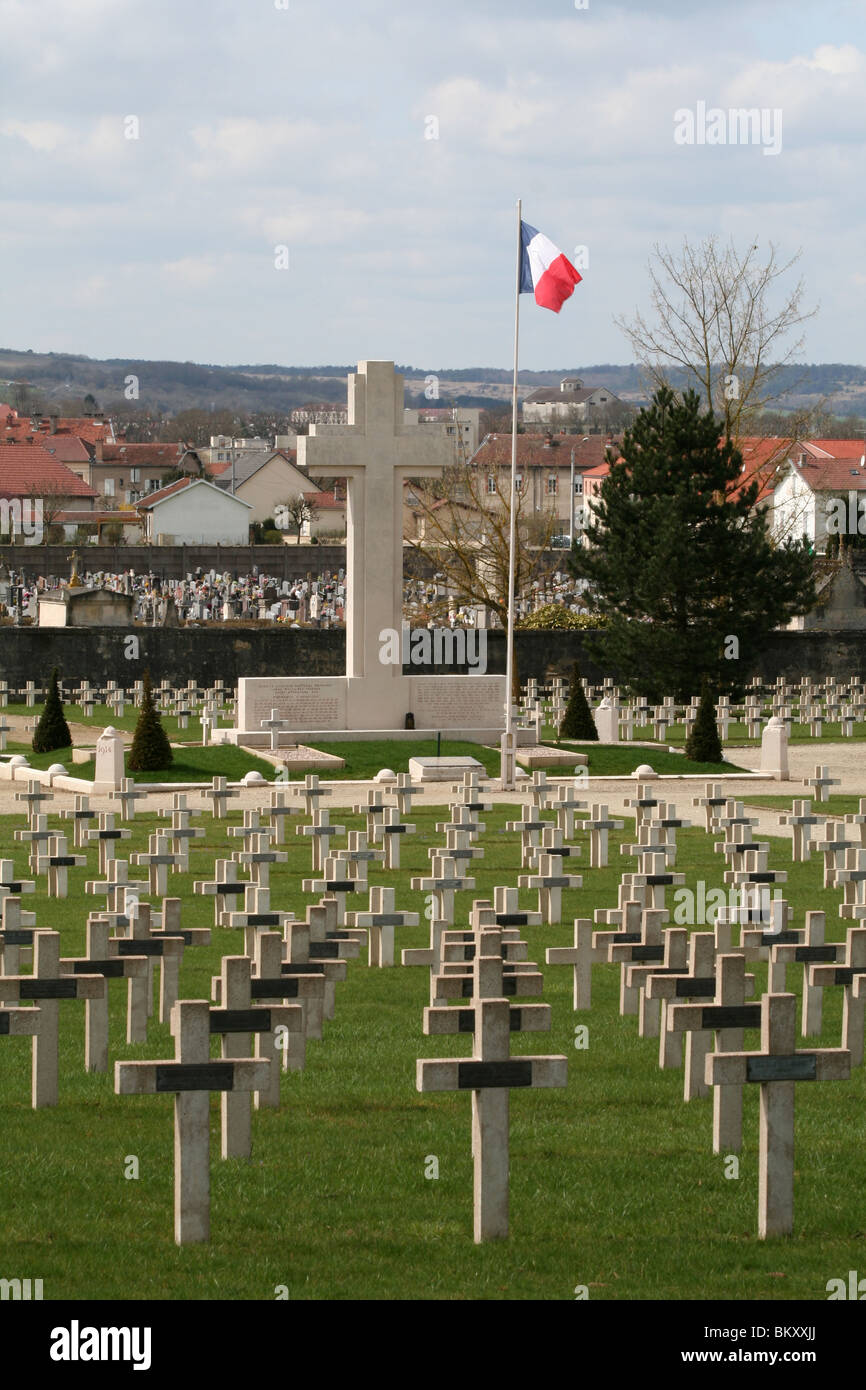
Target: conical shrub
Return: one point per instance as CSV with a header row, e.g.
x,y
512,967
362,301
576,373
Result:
x,y
703,744
577,722
52,731
151,750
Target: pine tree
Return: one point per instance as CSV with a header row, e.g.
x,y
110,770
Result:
x,y
151,750
703,744
52,731
679,560
577,722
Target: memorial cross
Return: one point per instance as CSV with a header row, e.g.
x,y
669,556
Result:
x,y
599,824
79,816
100,960
278,809
379,920
260,857
490,1075
9,883
16,935
776,1068
550,881
389,831
191,1077
445,880
106,837
157,861
275,726
820,782
257,916
404,792
47,986
36,837
320,832
219,794
358,856
225,888
311,791
55,865
235,1023
698,983
335,881
846,972
127,796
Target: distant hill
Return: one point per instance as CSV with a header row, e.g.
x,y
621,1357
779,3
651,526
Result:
x,y
171,387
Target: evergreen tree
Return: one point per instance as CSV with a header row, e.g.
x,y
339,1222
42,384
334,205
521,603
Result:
x,y
703,744
680,562
577,722
52,731
151,750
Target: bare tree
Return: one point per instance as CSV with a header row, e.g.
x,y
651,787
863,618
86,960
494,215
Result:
x,y
718,322
296,512
464,533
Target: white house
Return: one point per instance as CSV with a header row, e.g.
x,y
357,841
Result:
x,y
194,512
821,490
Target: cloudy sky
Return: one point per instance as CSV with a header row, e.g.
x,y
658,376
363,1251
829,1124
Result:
x,y
305,125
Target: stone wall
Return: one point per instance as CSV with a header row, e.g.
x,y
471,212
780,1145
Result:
x,y
176,561
205,653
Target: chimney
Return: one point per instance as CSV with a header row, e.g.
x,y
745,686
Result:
x,y
97,450
53,422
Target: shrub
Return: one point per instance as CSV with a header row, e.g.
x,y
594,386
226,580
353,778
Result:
x,y
151,750
52,731
577,721
703,744
556,615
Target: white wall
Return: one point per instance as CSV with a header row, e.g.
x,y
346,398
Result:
x,y
200,516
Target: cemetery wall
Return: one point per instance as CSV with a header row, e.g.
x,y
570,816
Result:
x,y
176,561
211,651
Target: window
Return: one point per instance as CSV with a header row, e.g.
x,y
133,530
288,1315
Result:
x,y
551,485
108,487
491,482
135,475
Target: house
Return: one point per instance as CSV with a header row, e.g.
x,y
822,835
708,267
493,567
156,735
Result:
x,y
462,424
123,473
445,516
225,448
821,491
329,514
544,463
192,511
266,478
35,487
570,401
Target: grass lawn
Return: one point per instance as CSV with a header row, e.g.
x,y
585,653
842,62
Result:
x,y
364,759
799,733
613,1180
621,759
191,764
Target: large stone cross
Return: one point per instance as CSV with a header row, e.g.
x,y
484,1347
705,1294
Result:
x,y
375,452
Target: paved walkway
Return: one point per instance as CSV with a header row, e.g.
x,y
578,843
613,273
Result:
x,y
846,760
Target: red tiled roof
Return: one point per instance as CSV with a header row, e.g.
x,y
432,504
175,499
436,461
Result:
x,y
136,454
28,470
152,497
542,450
324,501
836,448
832,474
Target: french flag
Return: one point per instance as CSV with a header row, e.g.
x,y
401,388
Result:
x,y
544,269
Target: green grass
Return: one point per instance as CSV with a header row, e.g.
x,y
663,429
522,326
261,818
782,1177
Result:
x,y
364,759
621,759
737,735
103,715
190,764
613,1179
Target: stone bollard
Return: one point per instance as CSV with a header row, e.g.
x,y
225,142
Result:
x,y
607,722
774,750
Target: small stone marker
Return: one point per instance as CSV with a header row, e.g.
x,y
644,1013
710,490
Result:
x,y
777,1067
191,1077
108,772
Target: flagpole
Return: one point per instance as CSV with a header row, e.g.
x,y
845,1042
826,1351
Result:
x,y
506,765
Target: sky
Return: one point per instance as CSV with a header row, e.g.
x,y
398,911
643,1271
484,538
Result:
x,y
304,182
